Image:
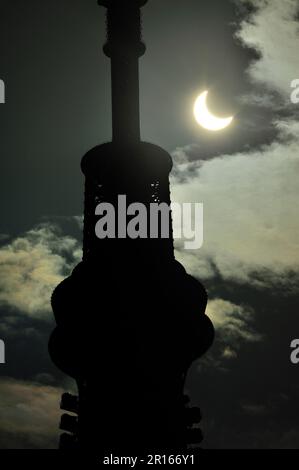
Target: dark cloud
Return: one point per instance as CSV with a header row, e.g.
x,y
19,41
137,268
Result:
x,y
251,401
29,415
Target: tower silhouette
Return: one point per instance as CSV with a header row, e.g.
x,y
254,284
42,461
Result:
x,y
130,320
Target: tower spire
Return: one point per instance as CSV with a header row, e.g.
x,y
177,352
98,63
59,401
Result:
x,y
124,47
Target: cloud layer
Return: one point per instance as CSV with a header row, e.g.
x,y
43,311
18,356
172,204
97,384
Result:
x,y
272,31
250,202
29,415
32,265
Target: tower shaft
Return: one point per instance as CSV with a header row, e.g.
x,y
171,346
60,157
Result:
x,y
124,47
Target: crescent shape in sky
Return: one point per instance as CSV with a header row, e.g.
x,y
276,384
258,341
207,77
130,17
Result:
x,y
205,118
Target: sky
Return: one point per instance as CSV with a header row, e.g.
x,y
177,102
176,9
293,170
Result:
x,y
57,87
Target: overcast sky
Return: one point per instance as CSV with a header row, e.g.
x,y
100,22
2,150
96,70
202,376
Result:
x,y
58,107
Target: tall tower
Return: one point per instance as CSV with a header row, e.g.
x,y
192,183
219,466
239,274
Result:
x,y
130,320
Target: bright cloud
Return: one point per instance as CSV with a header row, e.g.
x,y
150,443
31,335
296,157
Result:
x,y
251,219
273,31
29,415
31,267
233,321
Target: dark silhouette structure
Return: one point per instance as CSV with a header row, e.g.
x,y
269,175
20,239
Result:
x,y
130,320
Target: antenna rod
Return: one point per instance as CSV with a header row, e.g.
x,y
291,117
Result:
x,y
124,47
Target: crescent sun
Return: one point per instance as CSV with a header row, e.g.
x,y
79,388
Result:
x,y
205,118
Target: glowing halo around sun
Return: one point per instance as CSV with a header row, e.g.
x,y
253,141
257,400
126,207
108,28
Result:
x,y
205,118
